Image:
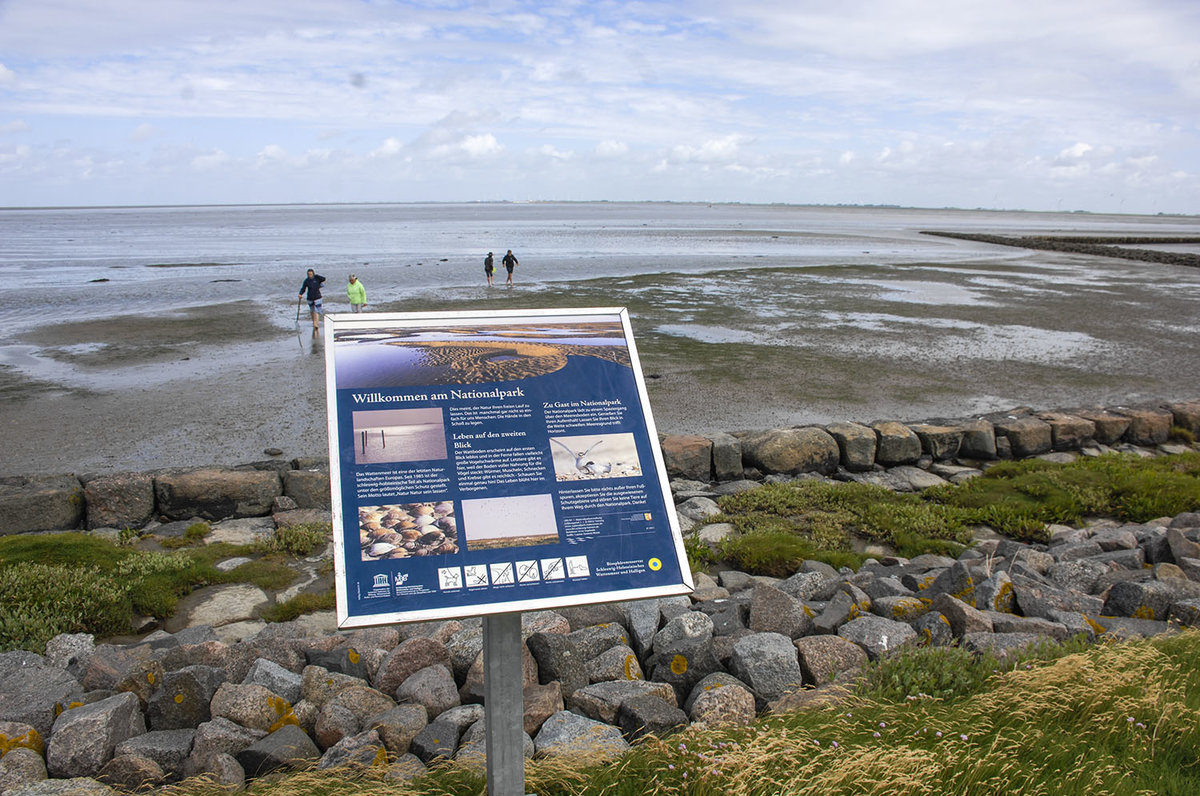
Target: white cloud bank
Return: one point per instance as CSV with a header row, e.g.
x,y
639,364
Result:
x,y
1077,104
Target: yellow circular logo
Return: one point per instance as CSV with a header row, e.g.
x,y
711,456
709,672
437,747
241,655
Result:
x,y
655,564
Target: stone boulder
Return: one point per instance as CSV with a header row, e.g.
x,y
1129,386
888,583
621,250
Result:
x,y
1109,426
940,442
856,444
1069,432
1026,435
578,738
216,494
791,450
768,664
688,456
40,503
86,737
896,443
123,500
1147,425
309,488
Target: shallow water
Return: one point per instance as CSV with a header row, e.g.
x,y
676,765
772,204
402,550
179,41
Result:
x,y
745,317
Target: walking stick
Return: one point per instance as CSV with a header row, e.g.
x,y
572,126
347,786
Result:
x,y
299,301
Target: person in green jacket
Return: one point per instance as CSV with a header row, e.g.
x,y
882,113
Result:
x,y
357,294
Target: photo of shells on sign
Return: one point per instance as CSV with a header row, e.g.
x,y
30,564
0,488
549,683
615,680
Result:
x,y
407,530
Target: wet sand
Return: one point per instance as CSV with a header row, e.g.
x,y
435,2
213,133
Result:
x,y
721,351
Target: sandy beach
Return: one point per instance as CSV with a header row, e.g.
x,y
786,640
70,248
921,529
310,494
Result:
x,y
721,351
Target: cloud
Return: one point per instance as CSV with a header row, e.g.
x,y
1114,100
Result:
x,y
15,126
611,149
143,132
7,75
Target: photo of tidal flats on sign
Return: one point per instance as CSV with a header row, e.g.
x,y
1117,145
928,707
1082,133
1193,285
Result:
x,y
503,522
467,354
595,456
408,530
399,435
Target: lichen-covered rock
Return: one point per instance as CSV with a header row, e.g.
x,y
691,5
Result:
x,y
566,734
84,738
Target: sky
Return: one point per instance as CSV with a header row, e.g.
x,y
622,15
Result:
x,y
1014,104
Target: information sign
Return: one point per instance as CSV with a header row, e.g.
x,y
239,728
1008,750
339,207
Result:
x,y
493,462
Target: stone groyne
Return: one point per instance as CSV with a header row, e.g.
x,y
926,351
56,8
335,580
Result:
x,y
893,453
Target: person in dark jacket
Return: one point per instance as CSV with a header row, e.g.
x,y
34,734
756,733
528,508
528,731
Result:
x,y
312,286
510,262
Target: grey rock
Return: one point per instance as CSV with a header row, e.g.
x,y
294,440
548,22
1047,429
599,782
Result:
x,y
600,701
1002,645
276,679
84,738
615,663
215,494
878,636
933,630
558,660
963,618
856,445
169,749
33,691
438,739
996,594
76,786
648,715
595,639
397,727
287,746
576,737
40,503
768,664
131,772
122,500
683,664
896,444
803,585
432,687
183,698
720,698
824,659
1040,599
363,750
19,767
689,625
774,611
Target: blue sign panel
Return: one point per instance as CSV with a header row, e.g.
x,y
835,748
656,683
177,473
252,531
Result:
x,y
491,462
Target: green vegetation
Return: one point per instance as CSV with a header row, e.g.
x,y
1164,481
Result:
x,y
296,540
1120,719
299,605
79,583
779,525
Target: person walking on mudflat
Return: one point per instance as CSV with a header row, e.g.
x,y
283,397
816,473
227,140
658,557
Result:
x,y
357,294
489,268
312,286
510,262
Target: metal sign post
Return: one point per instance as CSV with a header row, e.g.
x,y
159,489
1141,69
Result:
x,y
503,700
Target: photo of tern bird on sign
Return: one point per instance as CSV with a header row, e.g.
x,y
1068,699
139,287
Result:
x,y
503,522
399,435
595,456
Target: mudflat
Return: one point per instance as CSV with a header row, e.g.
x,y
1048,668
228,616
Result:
x,y
721,351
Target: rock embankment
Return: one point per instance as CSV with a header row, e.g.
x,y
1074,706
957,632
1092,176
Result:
x,y
234,699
